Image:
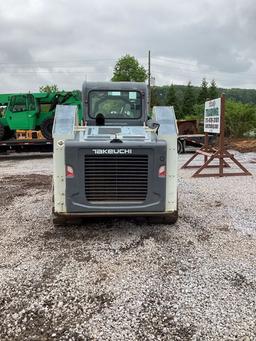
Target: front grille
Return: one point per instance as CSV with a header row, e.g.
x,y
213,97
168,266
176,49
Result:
x,y
116,178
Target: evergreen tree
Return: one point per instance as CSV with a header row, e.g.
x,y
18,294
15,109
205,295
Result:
x,y
154,100
189,100
203,94
171,99
213,91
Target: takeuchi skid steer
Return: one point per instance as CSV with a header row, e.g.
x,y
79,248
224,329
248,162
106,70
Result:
x,y
119,163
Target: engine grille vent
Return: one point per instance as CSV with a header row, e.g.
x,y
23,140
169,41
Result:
x,y
118,178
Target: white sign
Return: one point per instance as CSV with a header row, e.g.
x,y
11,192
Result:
x,y
212,111
132,94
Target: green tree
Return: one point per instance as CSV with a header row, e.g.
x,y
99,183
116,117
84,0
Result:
x,y
213,91
48,88
189,100
154,100
198,112
239,118
128,69
203,94
171,100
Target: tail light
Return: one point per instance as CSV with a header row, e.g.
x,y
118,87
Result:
x,y
69,172
162,172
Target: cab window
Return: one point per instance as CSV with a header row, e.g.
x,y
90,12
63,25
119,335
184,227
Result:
x,y
18,103
31,103
115,104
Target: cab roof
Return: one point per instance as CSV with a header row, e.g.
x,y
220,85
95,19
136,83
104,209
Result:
x,y
128,86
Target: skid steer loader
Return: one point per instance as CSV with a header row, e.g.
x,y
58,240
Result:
x,y
119,163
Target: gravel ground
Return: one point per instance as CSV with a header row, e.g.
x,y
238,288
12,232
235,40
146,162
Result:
x,y
125,280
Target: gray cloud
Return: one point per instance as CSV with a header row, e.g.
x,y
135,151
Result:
x,y
63,42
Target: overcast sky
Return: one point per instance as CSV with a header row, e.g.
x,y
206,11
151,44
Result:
x,y
63,42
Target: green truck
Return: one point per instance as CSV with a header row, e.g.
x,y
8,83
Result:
x,y
33,111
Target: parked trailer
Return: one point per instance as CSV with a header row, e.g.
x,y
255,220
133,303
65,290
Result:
x,y
189,135
33,145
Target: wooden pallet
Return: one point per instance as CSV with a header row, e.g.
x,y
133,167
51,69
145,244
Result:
x,y
29,135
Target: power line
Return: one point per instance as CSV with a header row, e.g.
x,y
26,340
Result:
x,y
36,62
157,63
174,61
195,68
51,72
199,77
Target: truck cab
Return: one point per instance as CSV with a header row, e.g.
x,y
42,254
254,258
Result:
x,y
117,104
21,112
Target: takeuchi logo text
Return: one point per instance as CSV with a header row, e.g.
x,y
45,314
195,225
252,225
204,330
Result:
x,y
112,151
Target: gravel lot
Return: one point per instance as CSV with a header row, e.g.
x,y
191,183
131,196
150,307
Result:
x,y
125,280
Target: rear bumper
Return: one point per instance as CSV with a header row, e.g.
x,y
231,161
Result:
x,y
112,214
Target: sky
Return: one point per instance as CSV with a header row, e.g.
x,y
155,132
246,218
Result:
x,y
64,42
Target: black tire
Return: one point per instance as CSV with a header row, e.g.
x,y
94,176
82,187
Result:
x,y
2,132
8,133
167,219
180,147
58,221
46,128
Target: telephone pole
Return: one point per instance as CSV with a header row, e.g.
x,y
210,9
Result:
x,y
149,79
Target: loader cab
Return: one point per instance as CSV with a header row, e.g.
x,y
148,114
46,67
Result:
x,y
115,103
21,112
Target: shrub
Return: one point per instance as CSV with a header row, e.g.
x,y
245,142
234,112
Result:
x,y
239,118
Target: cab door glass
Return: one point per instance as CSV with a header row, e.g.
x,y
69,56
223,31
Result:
x,y
18,103
31,103
2,110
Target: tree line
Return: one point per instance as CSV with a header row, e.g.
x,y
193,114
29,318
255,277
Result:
x,y
188,101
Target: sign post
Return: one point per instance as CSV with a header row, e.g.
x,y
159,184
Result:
x,y
214,122
222,134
